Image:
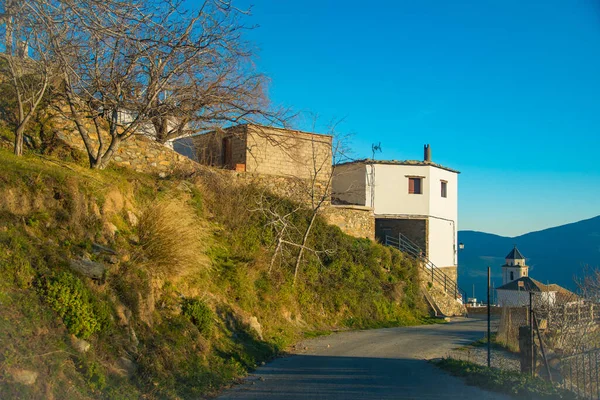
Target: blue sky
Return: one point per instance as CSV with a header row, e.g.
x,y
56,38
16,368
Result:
x,y
506,91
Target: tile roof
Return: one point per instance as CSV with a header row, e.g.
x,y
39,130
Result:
x,y
531,285
528,285
515,254
400,162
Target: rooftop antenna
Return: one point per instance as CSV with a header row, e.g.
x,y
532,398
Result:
x,y
375,148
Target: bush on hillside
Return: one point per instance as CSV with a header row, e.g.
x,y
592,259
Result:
x,y
80,311
199,313
170,238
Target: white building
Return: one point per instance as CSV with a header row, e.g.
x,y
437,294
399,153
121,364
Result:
x,y
418,199
515,267
517,285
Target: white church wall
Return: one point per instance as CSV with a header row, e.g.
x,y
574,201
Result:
x,y
518,272
520,298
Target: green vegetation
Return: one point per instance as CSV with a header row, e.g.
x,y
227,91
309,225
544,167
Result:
x,y
502,381
199,313
70,298
190,300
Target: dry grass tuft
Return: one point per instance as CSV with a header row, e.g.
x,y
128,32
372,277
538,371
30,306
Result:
x,y
171,240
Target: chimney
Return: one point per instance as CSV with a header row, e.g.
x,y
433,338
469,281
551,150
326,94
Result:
x,y
427,153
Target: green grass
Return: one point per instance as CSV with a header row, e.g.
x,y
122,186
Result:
x,y
239,313
508,382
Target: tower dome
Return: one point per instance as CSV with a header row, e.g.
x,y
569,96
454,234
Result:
x,y
515,257
515,267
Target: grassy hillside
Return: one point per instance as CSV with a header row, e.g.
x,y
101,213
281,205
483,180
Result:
x,y
555,255
183,299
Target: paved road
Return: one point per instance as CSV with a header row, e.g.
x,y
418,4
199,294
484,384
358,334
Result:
x,y
375,364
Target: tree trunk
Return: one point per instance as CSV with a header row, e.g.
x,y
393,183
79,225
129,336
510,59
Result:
x,y
304,240
19,140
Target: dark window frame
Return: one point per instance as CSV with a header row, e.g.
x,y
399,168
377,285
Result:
x,y
444,189
415,185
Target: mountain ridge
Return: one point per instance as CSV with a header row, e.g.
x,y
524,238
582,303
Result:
x,y
557,254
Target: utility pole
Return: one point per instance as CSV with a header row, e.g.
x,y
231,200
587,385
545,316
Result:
x,y
489,327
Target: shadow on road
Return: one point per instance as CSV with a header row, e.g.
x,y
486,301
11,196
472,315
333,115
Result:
x,y
327,377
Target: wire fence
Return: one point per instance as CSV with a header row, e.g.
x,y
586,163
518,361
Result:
x,y
546,331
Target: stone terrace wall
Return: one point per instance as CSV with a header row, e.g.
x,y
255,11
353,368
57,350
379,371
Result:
x,y
357,221
444,300
139,153
146,155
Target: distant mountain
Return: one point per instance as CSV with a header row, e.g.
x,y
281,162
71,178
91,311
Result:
x,y
554,255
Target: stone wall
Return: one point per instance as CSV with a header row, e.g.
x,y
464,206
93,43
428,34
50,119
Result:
x,y
451,273
263,150
414,229
208,148
138,152
146,155
445,301
357,221
299,190
289,153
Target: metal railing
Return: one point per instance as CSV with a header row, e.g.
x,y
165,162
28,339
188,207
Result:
x,y
434,274
580,374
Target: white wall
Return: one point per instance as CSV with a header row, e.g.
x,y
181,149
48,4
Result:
x,y
443,221
443,207
442,242
518,272
392,198
514,298
349,183
391,190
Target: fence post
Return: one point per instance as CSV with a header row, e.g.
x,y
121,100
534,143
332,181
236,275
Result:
x,y
531,337
537,328
489,326
525,349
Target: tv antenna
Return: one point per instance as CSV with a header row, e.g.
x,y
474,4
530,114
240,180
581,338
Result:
x,y
375,148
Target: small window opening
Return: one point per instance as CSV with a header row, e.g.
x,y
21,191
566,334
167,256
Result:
x,y
444,189
415,186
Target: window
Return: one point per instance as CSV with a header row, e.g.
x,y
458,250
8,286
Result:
x,y
512,276
415,185
444,189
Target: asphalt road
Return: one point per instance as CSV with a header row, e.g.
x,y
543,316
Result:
x,y
374,364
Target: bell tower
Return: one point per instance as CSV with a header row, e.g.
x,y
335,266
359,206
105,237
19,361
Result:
x,y
515,267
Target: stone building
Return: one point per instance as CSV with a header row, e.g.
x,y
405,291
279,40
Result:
x,y
262,150
418,199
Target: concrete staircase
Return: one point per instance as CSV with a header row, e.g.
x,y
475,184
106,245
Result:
x,y
440,290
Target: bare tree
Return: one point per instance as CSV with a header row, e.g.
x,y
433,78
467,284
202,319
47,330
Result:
x,y
315,193
153,68
27,67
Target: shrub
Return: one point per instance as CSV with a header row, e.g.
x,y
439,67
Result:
x,y
199,313
81,313
170,238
